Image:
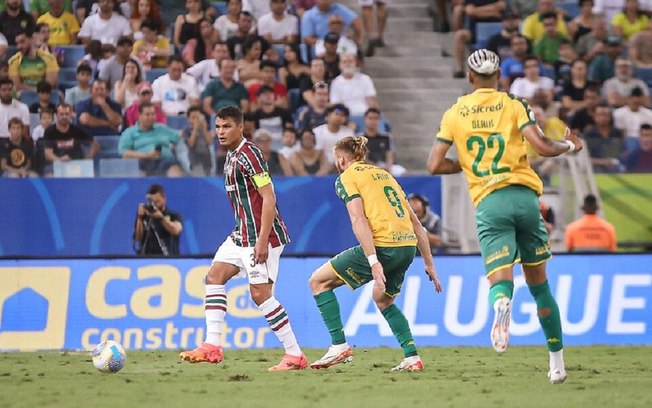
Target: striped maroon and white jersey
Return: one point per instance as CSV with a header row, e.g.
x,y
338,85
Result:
x,y
240,166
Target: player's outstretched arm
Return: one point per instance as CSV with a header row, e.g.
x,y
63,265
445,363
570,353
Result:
x,y
550,148
362,231
424,248
438,163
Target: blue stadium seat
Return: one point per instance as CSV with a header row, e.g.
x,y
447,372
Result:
x,y
154,73
547,72
28,98
221,7
74,168
108,146
644,74
572,9
72,54
11,50
177,122
484,31
119,168
280,49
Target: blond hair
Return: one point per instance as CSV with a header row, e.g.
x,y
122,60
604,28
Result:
x,y
355,147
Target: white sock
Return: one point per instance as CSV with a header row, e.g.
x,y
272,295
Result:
x,y
279,322
215,310
557,359
340,347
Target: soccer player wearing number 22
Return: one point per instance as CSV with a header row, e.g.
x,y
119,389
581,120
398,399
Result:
x,y
488,128
388,232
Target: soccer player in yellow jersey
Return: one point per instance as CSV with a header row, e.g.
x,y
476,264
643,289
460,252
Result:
x,y
488,129
388,232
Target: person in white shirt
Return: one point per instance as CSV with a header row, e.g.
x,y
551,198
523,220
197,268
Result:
x,y
336,34
257,8
209,69
616,90
105,26
328,134
354,89
526,86
11,108
630,117
279,26
175,91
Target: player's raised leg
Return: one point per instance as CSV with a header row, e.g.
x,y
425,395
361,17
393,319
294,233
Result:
x,y
500,298
322,282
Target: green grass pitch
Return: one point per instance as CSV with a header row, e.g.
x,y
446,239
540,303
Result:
x,y
599,376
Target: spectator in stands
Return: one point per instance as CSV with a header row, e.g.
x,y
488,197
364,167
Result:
x,y
367,19
151,143
606,144
290,145
270,116
64,140
589,45
236,42
554,129
15,20
227,25
63,24
224,91
44,92
381,150
279,26
476,11
277,164
512,66
82,90
46,118
314,23
11,108
200,48
617,90
313,115
354,89
16,152
99,115
328,134
39,7
266,77
41,36
533,28
336,35
639,160
186,26
29,65
248,66
428,218
608,8
602,67
293,70
145,9
93,56
582,23
307,83
562,67
590,233
531,82
175,91
547,48
199,140
125,90
583,117
331,58
209,69
308,160
572,96
113,69
106,26
301,6
639,50
630,117
629,21
501,42
153,49
144,96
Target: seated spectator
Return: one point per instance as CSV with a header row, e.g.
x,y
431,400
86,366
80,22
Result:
x,y
428,218
583,117
314,23
290,144
39,7
11,108
313,115
267,77
276,163
144,96
125,90
16,152
293,70
186,26
40,38
106,26
175,91
336,35
590,233
328,134
533,28
547,48
44,92
15,20
200,48
563,66
86,8
144,9
331,58
246,33
62,23
381,149
301,6
278,26
639,160
248,66
113,69
354,89
630,117
501,42
153,49
82,90
99,115
582,23
93,56
199,140
227,25
151,143
591,44
271,117
224,91
308,160
64,140
605,143
572,96
617,90
531,82
46,118
638,48
308,82
629,21
512,66
209,69
29,65
602,66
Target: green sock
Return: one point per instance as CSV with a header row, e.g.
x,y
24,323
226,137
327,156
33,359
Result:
x,y
330,312
500,290
548,313
401,329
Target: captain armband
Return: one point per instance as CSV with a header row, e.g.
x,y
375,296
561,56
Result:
x,y
262,179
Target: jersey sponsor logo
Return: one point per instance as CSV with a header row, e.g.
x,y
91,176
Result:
x,y
475,109
502,253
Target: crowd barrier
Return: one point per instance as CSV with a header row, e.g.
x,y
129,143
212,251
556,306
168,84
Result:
x,y
158,304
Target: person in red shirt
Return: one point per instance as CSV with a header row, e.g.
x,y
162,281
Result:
x,y
590,233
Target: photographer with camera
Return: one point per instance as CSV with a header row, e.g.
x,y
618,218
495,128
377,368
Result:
x,y
157,228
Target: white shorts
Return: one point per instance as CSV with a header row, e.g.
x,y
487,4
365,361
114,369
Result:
x,y
365,3
242,257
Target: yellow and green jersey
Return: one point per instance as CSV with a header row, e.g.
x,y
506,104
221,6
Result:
x,y
384,201
485,127
32,70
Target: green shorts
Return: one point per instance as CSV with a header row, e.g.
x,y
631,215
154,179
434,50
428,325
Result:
x,y
353,268
511,229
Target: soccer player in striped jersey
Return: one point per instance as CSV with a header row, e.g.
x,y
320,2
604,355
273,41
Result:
x,y
488,129
389,233
253,249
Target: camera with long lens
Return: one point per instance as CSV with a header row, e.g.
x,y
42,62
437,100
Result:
x,y
150,206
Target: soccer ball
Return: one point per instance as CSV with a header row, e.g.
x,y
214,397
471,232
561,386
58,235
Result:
x,y
109,357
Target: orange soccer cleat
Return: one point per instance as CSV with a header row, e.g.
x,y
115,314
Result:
x,y
289,363
206,353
